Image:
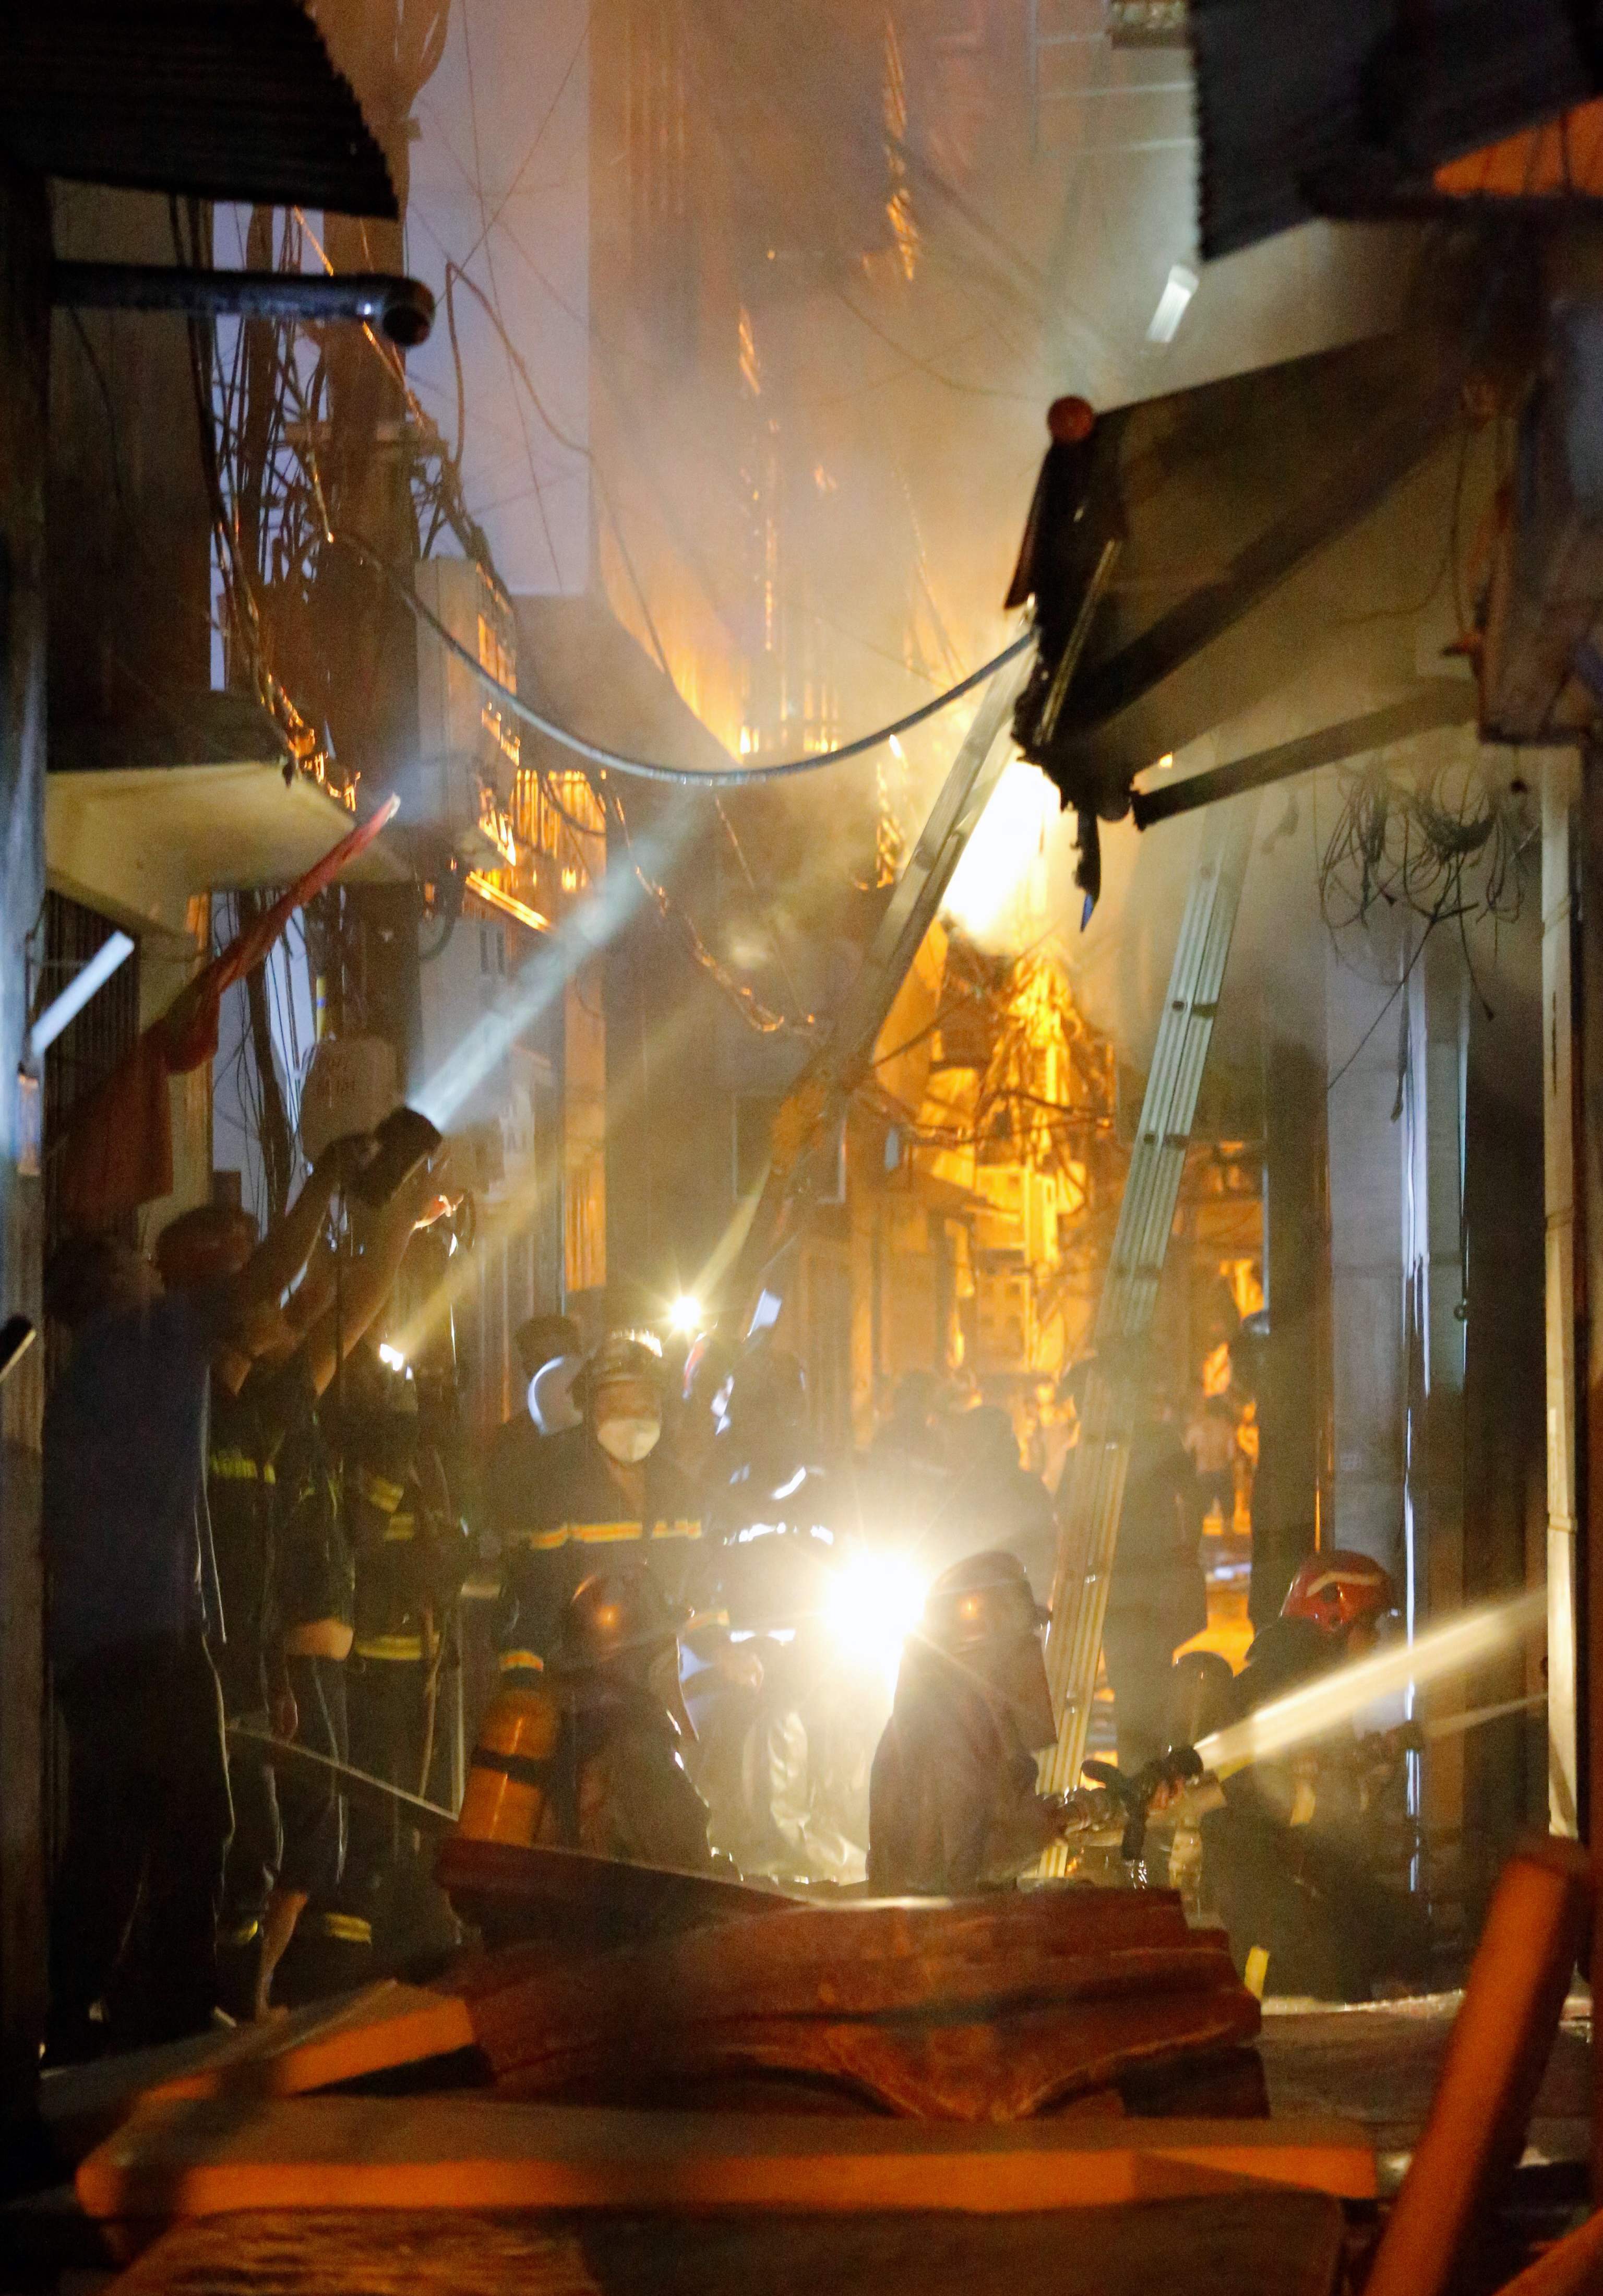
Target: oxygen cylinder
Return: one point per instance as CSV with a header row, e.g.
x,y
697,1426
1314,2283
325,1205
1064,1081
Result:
x,y
508,1780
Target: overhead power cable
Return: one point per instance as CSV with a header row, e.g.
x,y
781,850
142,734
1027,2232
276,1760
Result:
x,y
650,769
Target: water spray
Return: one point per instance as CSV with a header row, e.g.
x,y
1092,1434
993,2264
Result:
x,y
1321,1707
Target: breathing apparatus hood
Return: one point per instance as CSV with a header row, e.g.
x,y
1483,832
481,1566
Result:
x,y
982,1617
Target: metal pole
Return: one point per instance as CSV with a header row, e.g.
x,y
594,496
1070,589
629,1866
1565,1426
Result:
x,y
403,309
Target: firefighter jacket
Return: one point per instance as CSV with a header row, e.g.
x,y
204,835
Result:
x,y
584,1523
411,1559
952,1805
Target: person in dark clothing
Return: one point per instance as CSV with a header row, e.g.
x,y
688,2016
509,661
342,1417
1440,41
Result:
x,y
994,1500
411,1557
775,1755
518,1463
952,1805
209,1244
312,1617
612,1486
1159,1595
618,1786
134,1604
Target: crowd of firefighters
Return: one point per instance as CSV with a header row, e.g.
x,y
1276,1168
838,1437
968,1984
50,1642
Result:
x,y
680,1636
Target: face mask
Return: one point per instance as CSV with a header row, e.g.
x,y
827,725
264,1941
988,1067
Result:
x,y
628,1440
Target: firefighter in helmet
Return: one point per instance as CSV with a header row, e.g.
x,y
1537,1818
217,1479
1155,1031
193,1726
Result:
x,y
1306,1861
1346,1596
613,1487
952,1805
618,1785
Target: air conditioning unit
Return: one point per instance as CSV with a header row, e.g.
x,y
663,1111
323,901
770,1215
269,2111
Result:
x,y
349,1087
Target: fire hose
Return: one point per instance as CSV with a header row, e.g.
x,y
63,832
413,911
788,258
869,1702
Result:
x,y
284,1753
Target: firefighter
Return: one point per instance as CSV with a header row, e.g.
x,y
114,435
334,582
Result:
x,y
952,1805
209,1245
618,1784
1306,1861
410,1555
613,1488
774,1740
1157,1597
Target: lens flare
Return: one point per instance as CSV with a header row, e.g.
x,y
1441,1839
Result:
x,y
684,1316
1321,1707
873,1603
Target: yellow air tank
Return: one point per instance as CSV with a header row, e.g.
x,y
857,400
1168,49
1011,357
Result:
x,y
509,1782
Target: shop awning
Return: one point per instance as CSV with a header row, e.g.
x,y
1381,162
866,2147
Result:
x,y
137,823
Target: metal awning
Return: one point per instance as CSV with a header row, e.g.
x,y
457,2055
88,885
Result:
x,y
218,99
137,825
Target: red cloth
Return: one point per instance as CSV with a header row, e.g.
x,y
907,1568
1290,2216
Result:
x,y
117,1150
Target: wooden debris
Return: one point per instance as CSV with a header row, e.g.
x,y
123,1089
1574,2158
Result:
x,y
987,2010
567,1899
382,2027
1275,2243
209,2155
1501,2039
1002,2068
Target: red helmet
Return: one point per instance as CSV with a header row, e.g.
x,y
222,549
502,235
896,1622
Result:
x,y
1339,1590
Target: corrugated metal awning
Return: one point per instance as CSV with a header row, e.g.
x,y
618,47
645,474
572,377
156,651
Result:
x,y
215,99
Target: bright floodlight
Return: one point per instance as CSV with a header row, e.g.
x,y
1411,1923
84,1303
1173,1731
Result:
x,y
872,1603
391,1358
684,1315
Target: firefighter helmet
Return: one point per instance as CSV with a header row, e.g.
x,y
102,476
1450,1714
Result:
x,y
981,1618
985,1599
614,1615
1340,1590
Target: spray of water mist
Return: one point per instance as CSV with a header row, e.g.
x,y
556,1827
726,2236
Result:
x,y
1322,1707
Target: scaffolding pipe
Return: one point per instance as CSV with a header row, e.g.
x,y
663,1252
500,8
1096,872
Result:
x,y
401,309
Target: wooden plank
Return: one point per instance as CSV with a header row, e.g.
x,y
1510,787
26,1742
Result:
x,y
1502,2037
978,2069
584,1902
208,2155
606,2004
1276,2243
875,1953
381,2027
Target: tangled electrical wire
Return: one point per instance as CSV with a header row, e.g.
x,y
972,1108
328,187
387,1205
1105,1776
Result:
x,y
1446,843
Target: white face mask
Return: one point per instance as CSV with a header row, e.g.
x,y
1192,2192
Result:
x,y
629,1440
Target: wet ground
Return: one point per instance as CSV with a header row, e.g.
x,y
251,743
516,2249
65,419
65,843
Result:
x,y
1378,2061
